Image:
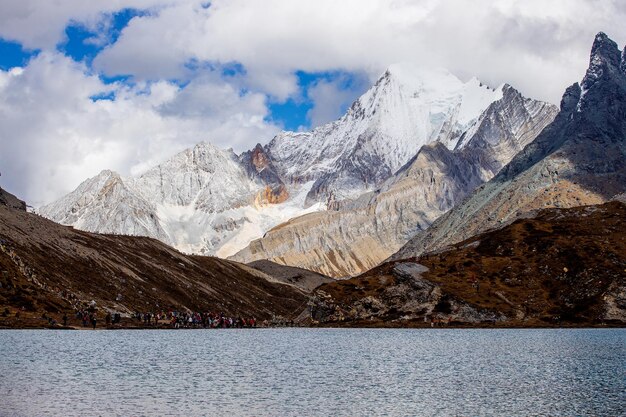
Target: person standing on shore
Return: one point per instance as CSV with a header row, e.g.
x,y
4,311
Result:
x,y
94,321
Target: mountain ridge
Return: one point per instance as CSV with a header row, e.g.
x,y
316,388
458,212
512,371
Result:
x,y
579,159
210,201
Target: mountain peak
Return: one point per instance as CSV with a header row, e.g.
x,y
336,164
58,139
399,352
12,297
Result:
x,y
605,49
417,78
204,145
104,178
605,58
576,160
105,173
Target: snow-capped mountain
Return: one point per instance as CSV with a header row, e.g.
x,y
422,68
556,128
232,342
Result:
x,y
203,178
405,109
105,204
211,201
202,200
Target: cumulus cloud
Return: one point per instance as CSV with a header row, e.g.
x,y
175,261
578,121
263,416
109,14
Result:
x,y
41,24
540,47
55,132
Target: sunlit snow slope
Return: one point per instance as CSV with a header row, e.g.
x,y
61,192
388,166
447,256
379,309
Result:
x,y
382,130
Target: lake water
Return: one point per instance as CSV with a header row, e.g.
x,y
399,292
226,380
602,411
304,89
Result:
x,y
313,372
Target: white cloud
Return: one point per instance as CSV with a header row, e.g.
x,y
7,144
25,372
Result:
x,y
53,135
539,47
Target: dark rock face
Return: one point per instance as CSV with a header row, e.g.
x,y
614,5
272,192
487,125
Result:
x,y
11,201
580,158
604,62
560,267
258,163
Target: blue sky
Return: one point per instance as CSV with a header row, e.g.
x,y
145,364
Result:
x,y
294,113
12,54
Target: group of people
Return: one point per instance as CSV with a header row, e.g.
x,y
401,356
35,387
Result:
x,y
178,320
174,319
87,317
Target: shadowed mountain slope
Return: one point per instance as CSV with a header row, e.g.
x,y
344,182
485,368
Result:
x,y
46,267
578,159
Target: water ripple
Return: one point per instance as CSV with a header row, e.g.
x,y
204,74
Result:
x,y
295,372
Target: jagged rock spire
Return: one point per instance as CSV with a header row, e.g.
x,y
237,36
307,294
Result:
x,y
604,59
605,47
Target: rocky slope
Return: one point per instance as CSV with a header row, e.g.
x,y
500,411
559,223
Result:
x,y
579,159
258,163
54,269
357,235
11,201
561,267
106,204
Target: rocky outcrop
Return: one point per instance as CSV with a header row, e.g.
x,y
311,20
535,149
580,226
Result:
x,y
357,235
258,164
578,159
272,195
401,297
11,201
556,267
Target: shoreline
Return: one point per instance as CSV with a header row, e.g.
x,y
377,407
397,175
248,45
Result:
x,y
457,327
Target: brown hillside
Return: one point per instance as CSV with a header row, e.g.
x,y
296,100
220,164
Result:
x,y
46,267
561,267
